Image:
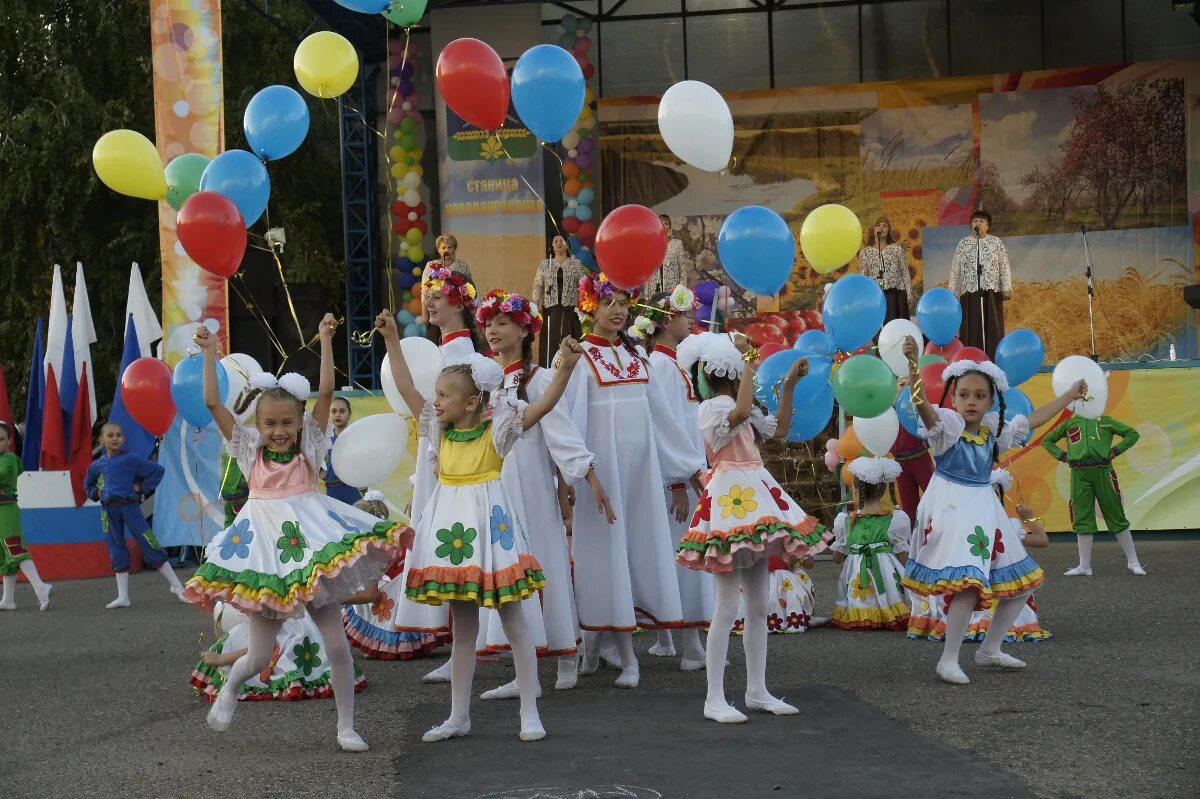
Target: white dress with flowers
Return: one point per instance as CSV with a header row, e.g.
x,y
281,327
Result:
x,y
869,594
1026,627
790,600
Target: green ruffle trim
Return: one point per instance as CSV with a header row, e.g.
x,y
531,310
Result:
x,y
754,537
279,457
468,435
259,582
273,687
435,593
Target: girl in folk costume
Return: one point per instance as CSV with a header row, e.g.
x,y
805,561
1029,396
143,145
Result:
x,y
744,516
339,418
790,598
663,324
510,322
470,548
291,549
14,556
871,543
624,574
959,516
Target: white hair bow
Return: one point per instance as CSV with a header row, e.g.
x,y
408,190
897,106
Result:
x,y
1002,478
374,496
487,374
295,384
874,470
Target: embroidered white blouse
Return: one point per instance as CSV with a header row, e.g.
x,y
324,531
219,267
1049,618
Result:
x,y
888,268
994,258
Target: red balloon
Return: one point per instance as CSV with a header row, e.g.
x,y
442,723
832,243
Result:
x,y
931,380
473,83
947,351
146,392
421,226
630,245
570,224
587,233
402,225
969,354
769,349
212,233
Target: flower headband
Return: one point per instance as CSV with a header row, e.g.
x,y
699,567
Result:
x,y
519,309
654,315
595,288
1002,478
874,470
454,287
295,384
960,368
715,352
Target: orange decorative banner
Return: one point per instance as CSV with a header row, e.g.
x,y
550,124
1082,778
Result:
x,y
189,117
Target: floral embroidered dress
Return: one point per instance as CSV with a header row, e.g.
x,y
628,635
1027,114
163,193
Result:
x,y
290,544
960,517
299,667
869,594
372,629
1026,627
789,603
470,544
743,514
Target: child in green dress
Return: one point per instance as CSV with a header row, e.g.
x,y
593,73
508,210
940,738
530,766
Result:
x,y
14,556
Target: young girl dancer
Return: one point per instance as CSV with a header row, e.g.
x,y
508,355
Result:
x,y
470,548
339,419
14,556
959,516
872,544
624,574
510,322
664,323
292,548
744,516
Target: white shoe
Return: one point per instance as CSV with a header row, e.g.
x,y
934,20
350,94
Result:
x,y
818,621
611,657
629,678
219,719
119,602
952,673
771,705
1000,659
588,664
1136,568
44,599
8,605
439,675
350,741
724,713
178,592
509,690
692,665
532,729
1077,571
445,731
568,678
660,651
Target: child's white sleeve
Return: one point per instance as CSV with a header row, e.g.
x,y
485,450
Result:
x,y
943,435
765,425
839,534
243,445
508,422
900,531
313,442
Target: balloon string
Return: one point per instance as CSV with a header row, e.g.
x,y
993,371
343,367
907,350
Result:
x,y
287,293
251,306
521,175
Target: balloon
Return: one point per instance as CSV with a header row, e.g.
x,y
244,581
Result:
x,y
925,360
326,64
239,368
812,406
848,445
128,163
630,245
365,6
817,342
146,392
878,433
768,379
183,177
864,386
1078,367
696,125
187,390
583,213
939,315
367,452
831,461
473,83
424,361
212,233
946,351
932,382
891,344
547,91
906,413
757,249
830,237
586,196
275,122
406,13
404,317
767,350
1015,404
1020,355
242,178
970,354
854,309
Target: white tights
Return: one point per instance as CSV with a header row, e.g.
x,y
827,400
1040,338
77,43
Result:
x,y
465,619
753,583
10,582
958,618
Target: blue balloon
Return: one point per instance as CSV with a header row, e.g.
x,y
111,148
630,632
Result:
x,y
853,311
365,6
586,257
566,41
810,414
583,212
547,91
406,280
939,315
817,342
412,329
276,122
586,195
404,317
242,178
909,419
585,24
187,390
570,22
1015,404
769,377
1019,355
757,249
568,211
574,244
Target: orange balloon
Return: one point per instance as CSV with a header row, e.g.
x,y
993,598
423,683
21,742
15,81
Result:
x,y
572,187
849,445
847,477
570,169
414,306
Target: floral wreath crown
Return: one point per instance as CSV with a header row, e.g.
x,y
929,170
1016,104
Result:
x,y
454,287
519,309
657,312
593,288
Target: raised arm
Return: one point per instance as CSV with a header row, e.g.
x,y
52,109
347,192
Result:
x,y
927,412
744,402
1077,391
569,352
784,414
320,410
207,343
401,375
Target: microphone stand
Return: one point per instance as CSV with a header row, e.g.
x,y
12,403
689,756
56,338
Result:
x,y
1091,288
979,288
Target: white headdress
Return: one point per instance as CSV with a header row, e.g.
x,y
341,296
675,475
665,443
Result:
x,y
874,470
1002,478
487,374
374,496
960,368
715,352
295,384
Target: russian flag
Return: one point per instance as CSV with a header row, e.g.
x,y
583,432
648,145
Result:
x,y
138,439
31,452
58,331
54,446
81,436
83,336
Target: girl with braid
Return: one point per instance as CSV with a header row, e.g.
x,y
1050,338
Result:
x,y
960,517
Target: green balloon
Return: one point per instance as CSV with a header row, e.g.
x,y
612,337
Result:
x,y
928,359
408,141
408,125
864,386
406,13
183,177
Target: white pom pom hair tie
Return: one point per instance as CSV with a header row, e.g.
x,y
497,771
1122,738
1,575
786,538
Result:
x,y
295,384
874,470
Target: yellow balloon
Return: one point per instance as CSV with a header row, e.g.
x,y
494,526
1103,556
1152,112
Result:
x,y
326,64
128,163
830,237
398,170
416,255
396,153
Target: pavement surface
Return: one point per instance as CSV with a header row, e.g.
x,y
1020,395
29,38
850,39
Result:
x,y
96,703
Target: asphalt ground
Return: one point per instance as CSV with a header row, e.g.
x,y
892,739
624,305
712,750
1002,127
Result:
x,y
96,703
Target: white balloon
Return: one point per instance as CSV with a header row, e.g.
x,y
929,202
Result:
x,y
877,434
371,449
411,180
1079,367
891,344
696,124
571,140
424,362
572,153
240,368
412,197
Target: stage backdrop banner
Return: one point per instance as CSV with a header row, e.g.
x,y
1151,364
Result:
x,y
189,117
1043,152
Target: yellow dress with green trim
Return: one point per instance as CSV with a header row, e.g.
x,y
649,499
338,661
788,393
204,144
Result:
x,y
470,544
